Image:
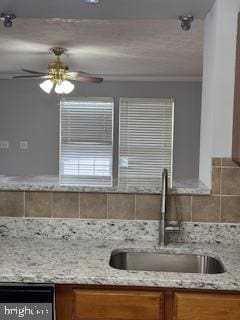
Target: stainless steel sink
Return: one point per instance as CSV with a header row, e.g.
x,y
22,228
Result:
x,y
166,262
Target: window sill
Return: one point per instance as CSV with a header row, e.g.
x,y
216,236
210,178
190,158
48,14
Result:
x,y
51,183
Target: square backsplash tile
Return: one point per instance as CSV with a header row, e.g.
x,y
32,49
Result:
x,y
121,206
231,181
230,209
179,208
38,204
148,206
206,209
11,204
65,205
93,205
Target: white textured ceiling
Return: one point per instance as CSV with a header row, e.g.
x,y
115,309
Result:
x,y
145,48
107,9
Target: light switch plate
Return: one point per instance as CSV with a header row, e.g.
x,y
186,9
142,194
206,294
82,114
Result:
x,y
23,145
4,144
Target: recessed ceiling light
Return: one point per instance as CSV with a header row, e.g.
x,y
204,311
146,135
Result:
x,y
7,18
186,22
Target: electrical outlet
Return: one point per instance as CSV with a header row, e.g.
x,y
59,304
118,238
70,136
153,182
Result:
x,y
23,145
4,144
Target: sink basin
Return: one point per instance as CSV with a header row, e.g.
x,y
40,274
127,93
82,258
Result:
x,y
165,262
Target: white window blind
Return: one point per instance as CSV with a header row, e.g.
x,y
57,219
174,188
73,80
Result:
x,y
86,141
146,141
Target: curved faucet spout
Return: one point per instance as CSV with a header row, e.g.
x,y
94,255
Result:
x,y
163,208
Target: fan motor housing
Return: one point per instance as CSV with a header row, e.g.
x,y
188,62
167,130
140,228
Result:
x,y
58,70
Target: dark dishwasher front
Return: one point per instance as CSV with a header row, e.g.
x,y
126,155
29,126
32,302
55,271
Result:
x,y
26,302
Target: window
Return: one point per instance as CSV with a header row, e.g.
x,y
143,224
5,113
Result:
x,y
86,141
146,141
145,138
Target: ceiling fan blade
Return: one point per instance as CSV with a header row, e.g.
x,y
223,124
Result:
x,y
31,77
84,77
89,79
34,72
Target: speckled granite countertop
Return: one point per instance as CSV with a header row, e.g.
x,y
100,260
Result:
x,y
87,262
51,183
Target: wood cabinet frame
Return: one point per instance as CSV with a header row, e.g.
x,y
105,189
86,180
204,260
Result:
x,y
65,299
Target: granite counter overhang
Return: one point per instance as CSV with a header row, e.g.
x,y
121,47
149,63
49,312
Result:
x,y
51,183
87,262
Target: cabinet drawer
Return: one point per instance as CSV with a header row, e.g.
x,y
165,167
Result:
x,y
204,306
117,305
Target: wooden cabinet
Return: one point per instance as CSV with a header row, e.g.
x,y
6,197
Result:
x,y
85,304
114,303
206,306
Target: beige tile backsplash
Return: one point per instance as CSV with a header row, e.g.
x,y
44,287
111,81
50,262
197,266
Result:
x,y
121,206
179,208
216,180
147,205
206,208
230,211
93,205
223,205
12,204
38,204
231,181
65,205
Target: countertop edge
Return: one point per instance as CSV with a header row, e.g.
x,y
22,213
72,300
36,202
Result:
x,y
51,183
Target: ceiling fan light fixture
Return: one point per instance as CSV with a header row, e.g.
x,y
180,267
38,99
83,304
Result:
x,y
47,86
64,87
58,75
67,86
58,88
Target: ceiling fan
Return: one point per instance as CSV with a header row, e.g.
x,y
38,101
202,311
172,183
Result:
x,y
58,74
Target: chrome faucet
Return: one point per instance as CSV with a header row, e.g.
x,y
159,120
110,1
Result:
x,y
163,208
164,226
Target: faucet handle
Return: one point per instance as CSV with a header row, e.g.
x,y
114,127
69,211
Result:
x,y
173,226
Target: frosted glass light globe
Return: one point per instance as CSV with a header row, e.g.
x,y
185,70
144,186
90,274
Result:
x,y
58,88
46,86
67,86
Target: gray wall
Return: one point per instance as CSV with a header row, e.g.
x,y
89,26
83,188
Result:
x,y
28,114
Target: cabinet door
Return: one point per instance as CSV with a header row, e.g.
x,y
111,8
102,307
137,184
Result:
x,y
204,306
117,305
